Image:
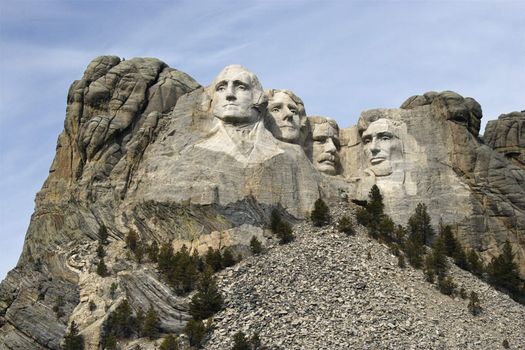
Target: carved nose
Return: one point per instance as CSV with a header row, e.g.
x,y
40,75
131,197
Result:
x,y
330,146
230,95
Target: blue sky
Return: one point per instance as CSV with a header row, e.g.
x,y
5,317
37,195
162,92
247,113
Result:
x,y
340,57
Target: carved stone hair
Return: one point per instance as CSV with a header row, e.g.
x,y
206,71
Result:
x,y
316,120
300,105
368,117
259,98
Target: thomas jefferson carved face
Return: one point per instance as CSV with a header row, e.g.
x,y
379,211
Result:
x,y
235,96
325,145
285,116
381,146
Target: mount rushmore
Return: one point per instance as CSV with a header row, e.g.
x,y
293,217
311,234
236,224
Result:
x,y
146,148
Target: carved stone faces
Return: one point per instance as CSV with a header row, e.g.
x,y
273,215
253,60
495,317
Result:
x,y
325,145
236,94
286,115
381,146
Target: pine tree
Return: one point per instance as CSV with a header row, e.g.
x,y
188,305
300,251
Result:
x,y
345,225
207,300
102,269
195,330
375,206
165,258
151,325
153,251
169,343
255,246
183,274
227,258
474,305
121,322
420,229
438,256
256,341
448,239
240,342
213,258
132,239
275,219
102,234
321,214
284,232
503,271
475,265
100,250
73,340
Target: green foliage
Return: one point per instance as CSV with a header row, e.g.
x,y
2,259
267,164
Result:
x,y
281,228
120,323
284,232
503,272
474,305
419,226
207,300
256,246
256,341
505,344
463,293
153,251
321,214
446,285
73,340
132,239
102,269
100,250
151,324
183,273
102,234
169,343
429,271
165,258
110,342
361,216
414,251
240,342
112,290
213,258
401,261
460,258
195,330
438,259
345,225
474,263
227,258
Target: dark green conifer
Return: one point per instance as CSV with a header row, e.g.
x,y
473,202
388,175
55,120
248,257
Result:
x,y
102,234
345,225
195,330
169,343
207,301
475,265
503,271
227,258
474,305
320,216
420,229
151,324
73,340
153,251
240,342
256,246
102,269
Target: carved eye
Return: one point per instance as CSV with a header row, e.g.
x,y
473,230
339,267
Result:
x,y
293,110
242,87
276,109
366,141
220,88
386,138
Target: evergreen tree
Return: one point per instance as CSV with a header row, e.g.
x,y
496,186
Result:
x,y
195,330
420,229
207,300
110,342
414,251
100,250
165,258
240,342
121,322
446,285
102,269
362,217
256,341
275,220
102,234
255,246
169,343
438,256
213,258
345,225
385,228
183,274
474,305
375,206
284,232
460,258
132,239
227,258
503,271
151,325
153,251
475,265
321,214
401,261
448,239
73,340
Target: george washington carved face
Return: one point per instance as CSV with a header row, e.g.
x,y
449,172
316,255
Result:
x,y
236,94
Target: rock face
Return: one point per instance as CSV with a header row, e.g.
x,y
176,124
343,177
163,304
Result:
x,y
507,136
428,152
147,149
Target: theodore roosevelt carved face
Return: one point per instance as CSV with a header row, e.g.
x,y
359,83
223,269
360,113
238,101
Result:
x,y
236,96
286,115
325,144
381,146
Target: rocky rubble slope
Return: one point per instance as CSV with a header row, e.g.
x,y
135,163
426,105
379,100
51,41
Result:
x,y
322,292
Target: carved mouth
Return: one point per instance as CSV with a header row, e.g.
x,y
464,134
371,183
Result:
x,y
377,160
329,160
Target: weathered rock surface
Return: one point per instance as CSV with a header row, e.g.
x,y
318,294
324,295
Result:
x,y
436,158
507,136
141,150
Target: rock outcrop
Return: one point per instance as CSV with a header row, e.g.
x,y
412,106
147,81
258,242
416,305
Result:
x,y
147,149
507,136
